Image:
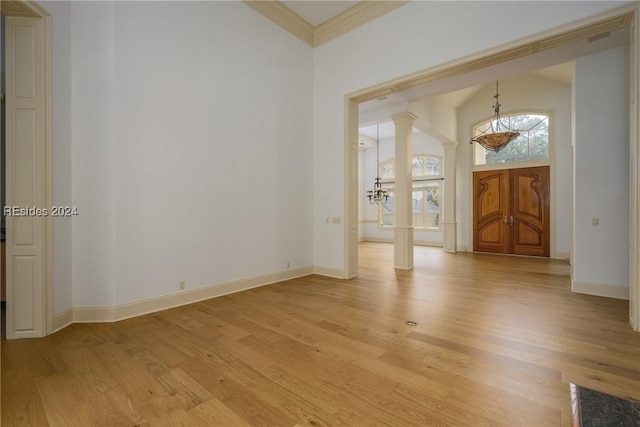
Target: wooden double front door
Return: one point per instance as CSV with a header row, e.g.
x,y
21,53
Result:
x,y
511,211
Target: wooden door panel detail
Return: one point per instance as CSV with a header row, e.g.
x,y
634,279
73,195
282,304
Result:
x,y
492,233
511,211
490,193
530,210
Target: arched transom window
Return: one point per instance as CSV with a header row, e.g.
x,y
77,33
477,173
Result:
x,y
532,144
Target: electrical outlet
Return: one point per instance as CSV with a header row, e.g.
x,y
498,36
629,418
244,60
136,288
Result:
x,y
181,285
595,221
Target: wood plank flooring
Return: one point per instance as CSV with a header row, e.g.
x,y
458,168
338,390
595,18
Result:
x,y
497,341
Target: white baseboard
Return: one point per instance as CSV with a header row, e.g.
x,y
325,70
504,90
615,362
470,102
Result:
x,y
377,240
415,242
600,290
329,272
164,302
562,255
62,320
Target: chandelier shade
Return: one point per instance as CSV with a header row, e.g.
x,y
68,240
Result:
x,y
501,135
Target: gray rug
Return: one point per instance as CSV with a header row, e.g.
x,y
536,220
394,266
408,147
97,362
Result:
x,y
597,409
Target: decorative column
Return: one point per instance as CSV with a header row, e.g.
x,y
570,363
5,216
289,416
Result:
x,y
402,212
449,224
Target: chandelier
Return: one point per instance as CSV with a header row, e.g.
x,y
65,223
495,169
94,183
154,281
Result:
x,y
378,194
500,134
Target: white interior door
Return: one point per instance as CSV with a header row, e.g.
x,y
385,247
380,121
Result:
x,y
25,177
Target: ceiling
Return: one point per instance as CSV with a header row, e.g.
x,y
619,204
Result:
x,y
318,12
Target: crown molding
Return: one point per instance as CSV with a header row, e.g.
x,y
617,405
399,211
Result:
x,y
352,18
349,20
281,15
23,9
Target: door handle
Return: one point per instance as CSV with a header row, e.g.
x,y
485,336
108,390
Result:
x,y
510,220
506,220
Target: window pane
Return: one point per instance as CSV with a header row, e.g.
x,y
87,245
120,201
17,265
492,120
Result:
x,y
433,205
539,140
516,151
418,208
418,163
433,166
386,170
386,211
425,166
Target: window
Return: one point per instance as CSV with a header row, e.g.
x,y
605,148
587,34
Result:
x,y
532,144
426,172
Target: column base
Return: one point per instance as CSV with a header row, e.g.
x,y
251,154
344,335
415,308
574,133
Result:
x,y
403,248
450,236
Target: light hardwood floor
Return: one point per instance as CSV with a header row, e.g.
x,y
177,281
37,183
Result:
x,y
497,341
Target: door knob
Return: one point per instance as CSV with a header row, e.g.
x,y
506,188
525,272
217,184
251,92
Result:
x,y
510,220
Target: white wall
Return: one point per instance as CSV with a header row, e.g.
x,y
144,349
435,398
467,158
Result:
x,y
93,153
192,154
214,146
413,37
61,152
601,253
528,93
435,117
422,144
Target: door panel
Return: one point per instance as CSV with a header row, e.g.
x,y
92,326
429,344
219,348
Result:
x,y
25,168
530,211
511,211
490,189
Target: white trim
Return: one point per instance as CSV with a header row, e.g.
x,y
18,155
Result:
x,y
600,289
329,272
164,302
62,320
95,314
350,19
634,164
367,221
562,255
513,165
415,242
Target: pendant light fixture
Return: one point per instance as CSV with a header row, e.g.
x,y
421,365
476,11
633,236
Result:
x,y
500,134
378,195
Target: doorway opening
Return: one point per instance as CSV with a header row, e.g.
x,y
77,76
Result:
x,y
545,50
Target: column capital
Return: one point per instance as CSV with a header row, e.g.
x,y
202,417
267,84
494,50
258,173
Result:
x,y
404,117
450,144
